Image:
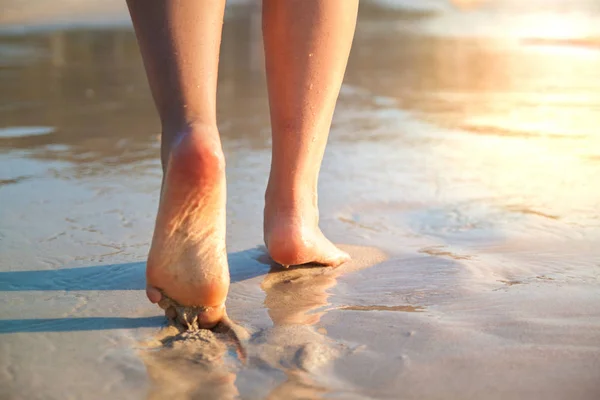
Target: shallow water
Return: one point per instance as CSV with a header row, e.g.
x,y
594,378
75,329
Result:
x,y
465,147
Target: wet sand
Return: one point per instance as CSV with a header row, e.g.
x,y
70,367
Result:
x,y
462,170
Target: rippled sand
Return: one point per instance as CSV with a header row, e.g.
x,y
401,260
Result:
x,y
462,171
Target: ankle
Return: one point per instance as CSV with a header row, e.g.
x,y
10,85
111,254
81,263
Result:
x,y
291,203
197,145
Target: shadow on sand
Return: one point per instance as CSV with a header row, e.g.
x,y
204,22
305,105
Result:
x,y
243,265
77,324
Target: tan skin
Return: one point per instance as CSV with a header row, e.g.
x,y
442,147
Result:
x,y
307,43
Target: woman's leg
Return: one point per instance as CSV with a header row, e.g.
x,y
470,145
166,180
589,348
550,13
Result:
x,y
179,41
307,43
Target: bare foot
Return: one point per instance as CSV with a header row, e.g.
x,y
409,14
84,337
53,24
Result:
x,y
188,260
293,237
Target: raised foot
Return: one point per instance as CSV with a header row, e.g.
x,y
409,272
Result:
x,y
290,242
187,271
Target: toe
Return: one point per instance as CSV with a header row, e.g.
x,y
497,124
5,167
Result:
x,y
171,313
194,318
189,318
331,255
337,259
209,318
153,294
344,257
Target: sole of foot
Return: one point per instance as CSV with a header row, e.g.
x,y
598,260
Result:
x,y
187,272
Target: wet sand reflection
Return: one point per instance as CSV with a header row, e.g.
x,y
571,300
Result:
x,y
479,152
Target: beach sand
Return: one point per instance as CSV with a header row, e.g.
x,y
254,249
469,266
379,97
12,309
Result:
x,y
462,174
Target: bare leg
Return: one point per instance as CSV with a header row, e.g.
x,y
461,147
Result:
x,y
179,41
307,43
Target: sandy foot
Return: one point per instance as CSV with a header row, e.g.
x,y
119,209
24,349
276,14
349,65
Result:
x,y
187,260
